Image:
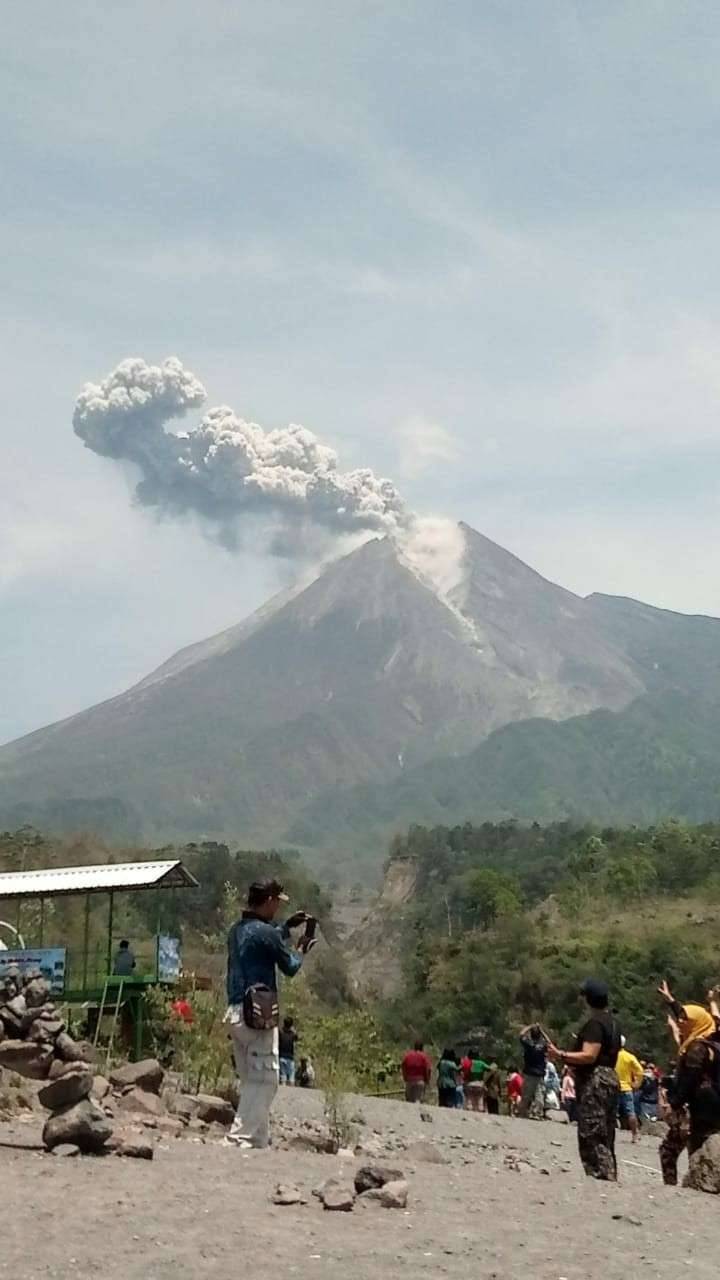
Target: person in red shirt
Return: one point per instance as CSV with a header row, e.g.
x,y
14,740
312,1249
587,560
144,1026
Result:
x,y
416,1072
182,1009
514,1088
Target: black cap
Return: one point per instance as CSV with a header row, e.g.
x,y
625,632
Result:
x,y
261,890
596,992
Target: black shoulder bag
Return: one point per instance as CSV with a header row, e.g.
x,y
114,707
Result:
x,y
260,1008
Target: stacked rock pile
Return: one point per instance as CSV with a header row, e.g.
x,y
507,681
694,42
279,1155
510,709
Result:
x,y
34,1043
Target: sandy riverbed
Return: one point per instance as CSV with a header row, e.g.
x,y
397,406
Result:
x,y
509,1203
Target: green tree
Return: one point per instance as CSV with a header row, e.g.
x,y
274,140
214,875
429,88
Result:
x,y
485,895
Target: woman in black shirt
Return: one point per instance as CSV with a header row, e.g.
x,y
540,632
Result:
x,y
593,1059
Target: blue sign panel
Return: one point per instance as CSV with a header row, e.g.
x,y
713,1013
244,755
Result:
x,y
49,960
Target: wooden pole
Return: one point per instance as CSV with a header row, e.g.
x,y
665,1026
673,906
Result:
x,y
86,942
158,927
110,932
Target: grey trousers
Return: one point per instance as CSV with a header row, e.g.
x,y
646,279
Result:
x,y
257,1064
532,1103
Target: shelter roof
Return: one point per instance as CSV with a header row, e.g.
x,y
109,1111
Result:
x,y
96,879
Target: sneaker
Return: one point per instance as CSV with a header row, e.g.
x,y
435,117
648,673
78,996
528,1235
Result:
x,y
237,1146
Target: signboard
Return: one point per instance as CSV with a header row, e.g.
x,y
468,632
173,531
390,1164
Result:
x,y
50,960
168,958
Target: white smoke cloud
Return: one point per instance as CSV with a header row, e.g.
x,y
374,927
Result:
x,y
434,547
227,469
229,472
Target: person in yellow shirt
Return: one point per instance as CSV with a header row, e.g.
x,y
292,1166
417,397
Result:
x,y
630,1075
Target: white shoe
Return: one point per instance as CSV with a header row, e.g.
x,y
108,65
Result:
x,y
241,1145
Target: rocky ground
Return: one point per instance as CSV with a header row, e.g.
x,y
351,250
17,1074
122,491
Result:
x,y
490,1198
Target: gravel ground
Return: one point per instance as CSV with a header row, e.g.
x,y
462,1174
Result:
x,y
509,1202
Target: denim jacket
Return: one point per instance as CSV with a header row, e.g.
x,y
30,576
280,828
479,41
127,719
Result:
x,y
255,948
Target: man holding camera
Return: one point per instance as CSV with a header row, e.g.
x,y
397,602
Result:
x,y
257,948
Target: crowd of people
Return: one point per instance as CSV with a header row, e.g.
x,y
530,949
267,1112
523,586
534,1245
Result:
x,y
463,1080
602,1084
598,1082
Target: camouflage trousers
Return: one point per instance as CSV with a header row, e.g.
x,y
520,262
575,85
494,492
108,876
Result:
x,y
673,1144
596,1119
678,1138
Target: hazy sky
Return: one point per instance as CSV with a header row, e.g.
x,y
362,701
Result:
x,y
473,245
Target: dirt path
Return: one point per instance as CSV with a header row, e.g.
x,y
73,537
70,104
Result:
x,y
509,1203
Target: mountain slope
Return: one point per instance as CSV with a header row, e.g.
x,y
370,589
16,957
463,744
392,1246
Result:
x,y
362,676
658,758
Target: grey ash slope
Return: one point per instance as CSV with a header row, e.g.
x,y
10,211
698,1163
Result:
x,y
360,677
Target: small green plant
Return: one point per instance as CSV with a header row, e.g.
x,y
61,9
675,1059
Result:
x,y
343,1132
199,1050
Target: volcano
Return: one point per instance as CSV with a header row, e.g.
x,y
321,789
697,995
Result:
x,y
365,674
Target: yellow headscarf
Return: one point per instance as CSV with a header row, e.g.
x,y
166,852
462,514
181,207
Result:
x,y
697,1024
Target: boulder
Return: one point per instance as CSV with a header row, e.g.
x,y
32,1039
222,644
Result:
x,y
148,1104
394,1195
182,1104
336,1196
286,1195
46,1030
67,1089
10,1022
26,1058
135,1150
36,992
147,1075
172,1126
32,1015
322,1144
10,983
372,1176
704,1167
71,1050
100,1087
214,1110
60,1068
83,1124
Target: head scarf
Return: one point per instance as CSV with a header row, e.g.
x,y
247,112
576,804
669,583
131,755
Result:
x,y
695,1024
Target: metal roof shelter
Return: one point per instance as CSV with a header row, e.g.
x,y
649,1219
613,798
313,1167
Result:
x,y
93,982
103,878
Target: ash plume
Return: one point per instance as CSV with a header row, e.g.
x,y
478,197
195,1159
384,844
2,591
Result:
x,y
227,470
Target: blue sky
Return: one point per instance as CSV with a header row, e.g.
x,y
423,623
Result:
x,y
471,245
